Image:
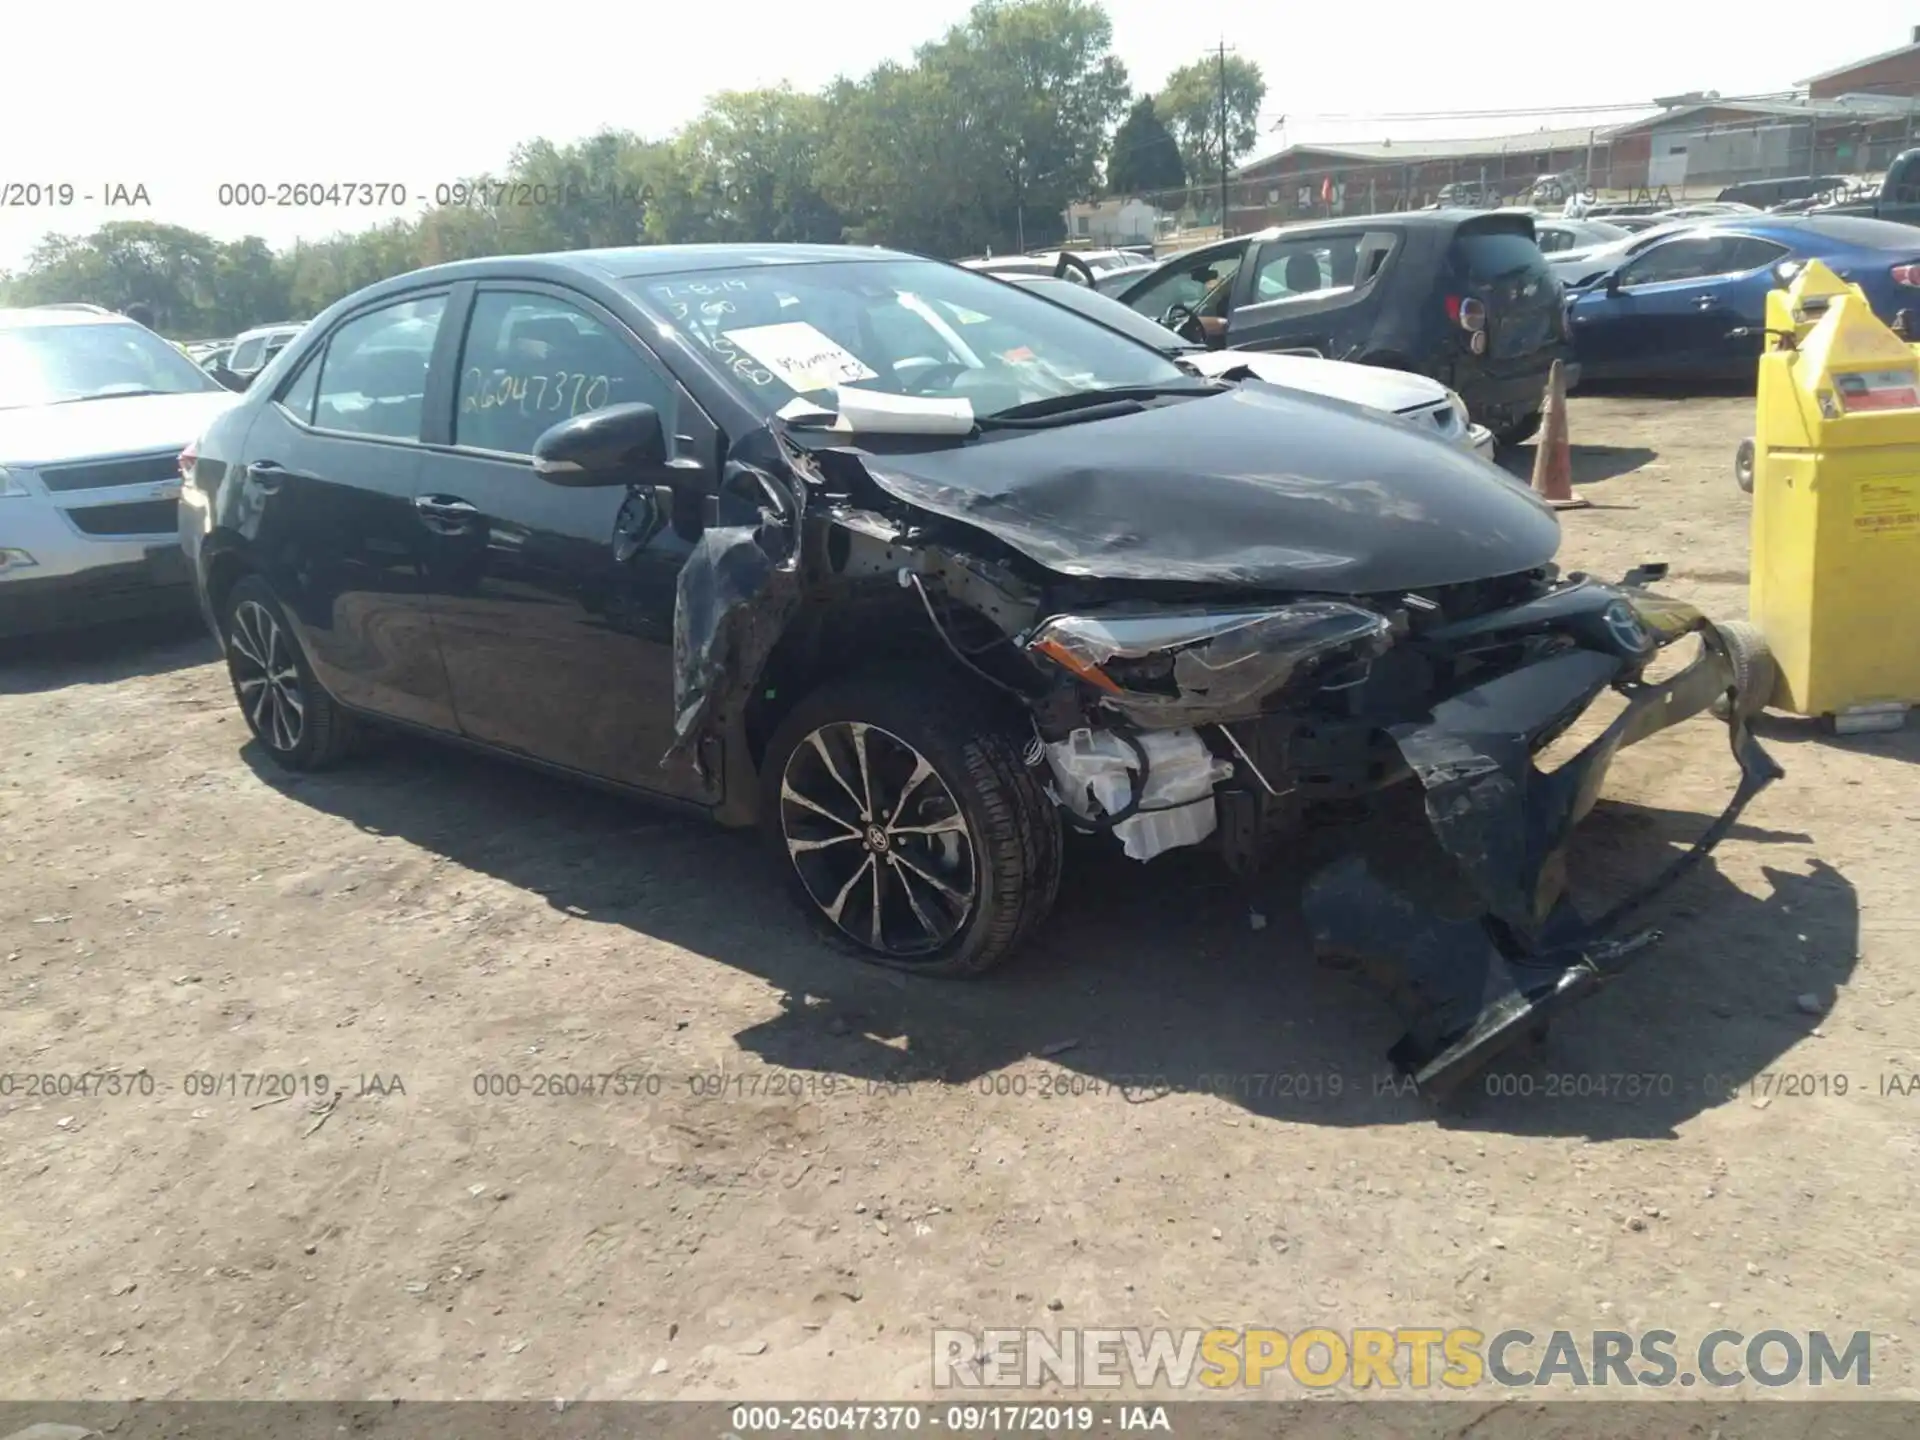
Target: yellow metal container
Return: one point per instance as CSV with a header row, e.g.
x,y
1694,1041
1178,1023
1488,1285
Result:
x,y
1835,576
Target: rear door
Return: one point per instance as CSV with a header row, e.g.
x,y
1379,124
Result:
x,y
328,487
554,606
1315,291
1494,259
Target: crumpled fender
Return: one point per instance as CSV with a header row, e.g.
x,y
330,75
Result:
x,y
736,592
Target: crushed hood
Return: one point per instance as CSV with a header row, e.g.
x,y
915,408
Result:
x,y
1258,487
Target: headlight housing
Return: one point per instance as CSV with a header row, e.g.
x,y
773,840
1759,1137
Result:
x,y
10,484
1208,660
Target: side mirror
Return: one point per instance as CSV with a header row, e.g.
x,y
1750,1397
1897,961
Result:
x,y
1612,283
620,445
227,378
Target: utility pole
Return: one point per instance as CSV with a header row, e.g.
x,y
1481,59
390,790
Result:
x,y
1223,138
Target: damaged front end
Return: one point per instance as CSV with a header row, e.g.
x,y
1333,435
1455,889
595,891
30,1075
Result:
x,y
1331,698
1174,703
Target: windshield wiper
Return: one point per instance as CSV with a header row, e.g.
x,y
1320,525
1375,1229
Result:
x,y
1065,408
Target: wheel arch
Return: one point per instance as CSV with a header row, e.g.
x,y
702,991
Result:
x,y
225,569
877,626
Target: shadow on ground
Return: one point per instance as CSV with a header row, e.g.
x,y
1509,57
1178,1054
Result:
x,y
103,655
1790,730
1592,464
1149,980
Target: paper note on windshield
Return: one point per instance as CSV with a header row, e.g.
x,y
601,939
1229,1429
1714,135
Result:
x,y
800,355
874,412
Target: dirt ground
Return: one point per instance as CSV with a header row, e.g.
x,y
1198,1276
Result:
x,y
813,1164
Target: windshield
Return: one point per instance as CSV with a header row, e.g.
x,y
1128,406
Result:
x,y
1107,311
52,364
899,327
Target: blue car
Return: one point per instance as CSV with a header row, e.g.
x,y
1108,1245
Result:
x,y
1692,304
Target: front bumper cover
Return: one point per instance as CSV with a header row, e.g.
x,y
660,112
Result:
x,y
1469,988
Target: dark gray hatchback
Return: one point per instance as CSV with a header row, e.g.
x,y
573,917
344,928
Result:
x,y
1463,296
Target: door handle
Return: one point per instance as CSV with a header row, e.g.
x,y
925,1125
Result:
x,y
444,514
446,507
267,475
1706,302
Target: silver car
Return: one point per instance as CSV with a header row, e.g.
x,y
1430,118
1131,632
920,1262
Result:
x,y
94,412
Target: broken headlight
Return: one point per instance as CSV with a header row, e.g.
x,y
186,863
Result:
x,y
1210,659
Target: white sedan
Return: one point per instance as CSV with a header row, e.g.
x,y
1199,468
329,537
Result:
x,y
1414,398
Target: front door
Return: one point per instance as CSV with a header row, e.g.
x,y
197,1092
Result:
x,y
1311,292
1667,315
554,606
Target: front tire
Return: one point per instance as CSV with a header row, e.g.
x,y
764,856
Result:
x,y
908,826
294,720
1755,672
1517,432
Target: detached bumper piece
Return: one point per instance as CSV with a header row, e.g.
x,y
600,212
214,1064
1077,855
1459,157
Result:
x,y
1469,988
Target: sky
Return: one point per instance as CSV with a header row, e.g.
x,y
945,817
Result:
x,y
113,93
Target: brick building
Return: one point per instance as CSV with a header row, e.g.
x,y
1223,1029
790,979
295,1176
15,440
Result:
x,y
1892,72
1363,177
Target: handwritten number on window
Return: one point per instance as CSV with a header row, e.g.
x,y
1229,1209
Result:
x,y
572,392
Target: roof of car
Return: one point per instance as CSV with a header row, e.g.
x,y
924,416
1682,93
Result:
x,y
37,315
1444,218
636,261
288,326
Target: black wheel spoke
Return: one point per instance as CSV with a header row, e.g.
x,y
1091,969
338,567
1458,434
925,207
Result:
x,y
910,847
265,677
826,758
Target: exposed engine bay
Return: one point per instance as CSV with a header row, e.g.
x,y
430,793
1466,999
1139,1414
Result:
x,y
1177,698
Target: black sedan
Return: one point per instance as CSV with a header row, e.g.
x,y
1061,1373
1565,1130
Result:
x,y
913,569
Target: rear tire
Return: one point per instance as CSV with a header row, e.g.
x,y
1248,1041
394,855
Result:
x,y
295,721
908,827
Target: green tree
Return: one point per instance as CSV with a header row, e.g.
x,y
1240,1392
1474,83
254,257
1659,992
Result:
x,y
1189,106
1144,157
984,139
745,170
170,268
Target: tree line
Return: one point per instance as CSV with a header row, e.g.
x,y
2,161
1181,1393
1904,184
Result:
x,y
978,144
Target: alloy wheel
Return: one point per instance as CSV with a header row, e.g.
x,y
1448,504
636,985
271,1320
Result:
x,y
878,839
266,677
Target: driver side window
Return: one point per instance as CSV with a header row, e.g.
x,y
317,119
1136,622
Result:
x,y
1188,285
1689,258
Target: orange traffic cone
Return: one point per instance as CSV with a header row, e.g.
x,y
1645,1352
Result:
x,y
1553,453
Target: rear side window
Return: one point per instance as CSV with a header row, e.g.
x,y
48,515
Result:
x,y
1753,252
1490,255
373,380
